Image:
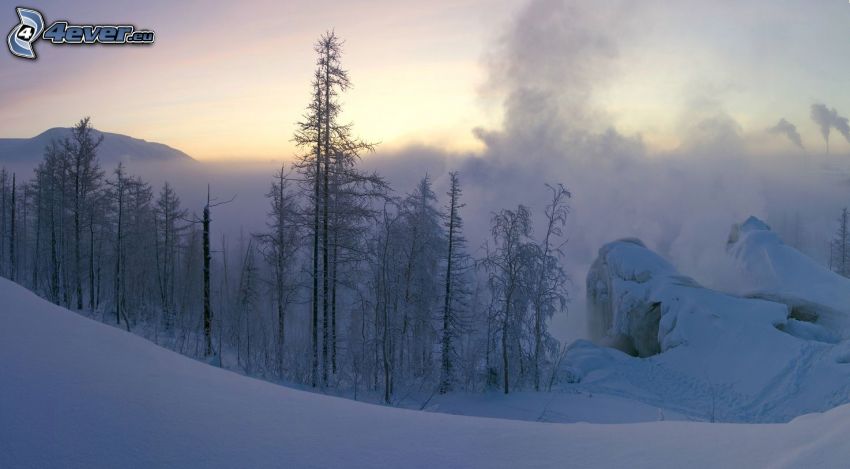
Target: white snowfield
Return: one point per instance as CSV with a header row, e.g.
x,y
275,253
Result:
x,y
78,393
709,355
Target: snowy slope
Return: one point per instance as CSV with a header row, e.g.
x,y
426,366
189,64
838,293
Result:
x,y
77,393
714,356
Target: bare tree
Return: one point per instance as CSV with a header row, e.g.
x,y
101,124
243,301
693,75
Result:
x,y
507,264
3,203
324,141
207,258
280,246
169,230
12,232
247,299
207,309
550,285
455,284
85,174
120,188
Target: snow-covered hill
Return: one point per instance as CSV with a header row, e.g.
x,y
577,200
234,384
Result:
x,y
78,393
114,149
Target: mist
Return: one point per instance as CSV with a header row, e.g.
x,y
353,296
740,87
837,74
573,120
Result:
x,y
546,66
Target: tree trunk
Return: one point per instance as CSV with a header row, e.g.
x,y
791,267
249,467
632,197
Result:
x,y
333,304
39,213
537,345
12,230
2,221
281,309
445,382
78,281
91,261
505,322
54,258
118,250
315,305
207,258
325,197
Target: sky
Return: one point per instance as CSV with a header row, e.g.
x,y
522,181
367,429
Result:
x,y
654,114
229,79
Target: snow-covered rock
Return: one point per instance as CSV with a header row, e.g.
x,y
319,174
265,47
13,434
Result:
x,y
698,351
775,271
638,302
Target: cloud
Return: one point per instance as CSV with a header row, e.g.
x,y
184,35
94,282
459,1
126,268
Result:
x,y
789,130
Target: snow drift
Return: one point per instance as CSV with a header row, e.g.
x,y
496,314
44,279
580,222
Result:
x,y
77,393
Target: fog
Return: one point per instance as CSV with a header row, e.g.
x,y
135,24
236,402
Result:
x,y
546,66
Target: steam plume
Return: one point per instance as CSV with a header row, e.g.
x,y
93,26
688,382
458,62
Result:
x,y
828,119
783,127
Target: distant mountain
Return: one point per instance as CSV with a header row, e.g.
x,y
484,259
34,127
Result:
x,y
115,148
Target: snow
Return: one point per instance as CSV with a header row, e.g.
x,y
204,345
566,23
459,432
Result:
x,y
78,393
716,356
775,271
638,299
561,406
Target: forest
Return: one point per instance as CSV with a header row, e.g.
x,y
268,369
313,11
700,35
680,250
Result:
x,y
352,287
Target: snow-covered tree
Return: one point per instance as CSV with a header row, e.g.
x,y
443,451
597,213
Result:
x,y
549,288
279,245
85,177
170,227
455,285
422,241
328,147
840,258
508,264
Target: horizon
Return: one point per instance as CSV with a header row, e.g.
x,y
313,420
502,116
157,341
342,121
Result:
x,y
659,69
